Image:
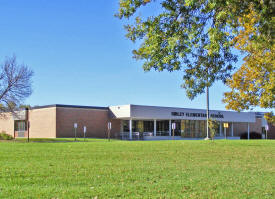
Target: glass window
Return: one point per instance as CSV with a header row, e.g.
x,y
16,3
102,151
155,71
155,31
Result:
x,y
202,128
193,128
182,124
187,129
134,126
163,128
20,126
148,126
125,124
140,126
197,127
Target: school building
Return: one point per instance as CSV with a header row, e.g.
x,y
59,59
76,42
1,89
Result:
x,y
131,122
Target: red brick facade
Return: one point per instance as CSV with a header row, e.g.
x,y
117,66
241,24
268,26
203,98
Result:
x,y
95,120
240,128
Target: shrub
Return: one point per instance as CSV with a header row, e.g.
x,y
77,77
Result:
x,y
213,126
5,136
253,135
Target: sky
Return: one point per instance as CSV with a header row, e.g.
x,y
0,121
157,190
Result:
x,y
80,56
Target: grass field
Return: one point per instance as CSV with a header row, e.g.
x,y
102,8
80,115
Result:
x,y
138,169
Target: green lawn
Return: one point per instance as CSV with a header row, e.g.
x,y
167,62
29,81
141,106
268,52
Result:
x,y
137,169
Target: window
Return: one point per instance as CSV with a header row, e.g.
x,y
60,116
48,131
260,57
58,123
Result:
x,y
148,126
20,125
202,128
163,128
193,128
125,125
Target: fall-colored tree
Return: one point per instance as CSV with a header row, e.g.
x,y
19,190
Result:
x,y
270,117
254,82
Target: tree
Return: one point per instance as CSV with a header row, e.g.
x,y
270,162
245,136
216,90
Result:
x,y
254,82
186,35
270,117
15,84
213,127
25,106
189,36
195,36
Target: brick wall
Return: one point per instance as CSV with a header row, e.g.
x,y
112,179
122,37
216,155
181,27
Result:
x,y
54,122
116,128
240,128
43,122
94,119
7,123
271,132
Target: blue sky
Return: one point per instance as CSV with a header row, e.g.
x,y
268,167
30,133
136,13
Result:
x,y
80,56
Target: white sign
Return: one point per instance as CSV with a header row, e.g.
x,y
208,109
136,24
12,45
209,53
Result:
x,y
109,125
84,129
173,126
267,127
75,125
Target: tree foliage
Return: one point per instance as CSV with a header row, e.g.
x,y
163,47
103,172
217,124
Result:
x,y
197,37
15,84
191,36
213,127
254,82
270,117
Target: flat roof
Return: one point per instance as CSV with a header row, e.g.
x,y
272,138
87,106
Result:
x,y
70,106
176,107
131,111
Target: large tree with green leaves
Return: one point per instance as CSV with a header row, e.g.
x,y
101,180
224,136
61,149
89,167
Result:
x,y
193,36
186,35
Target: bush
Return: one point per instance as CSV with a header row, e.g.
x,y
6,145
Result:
x,y
253,135
213,126
5,136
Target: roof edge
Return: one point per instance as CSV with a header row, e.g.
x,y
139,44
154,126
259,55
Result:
x,y
70,106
